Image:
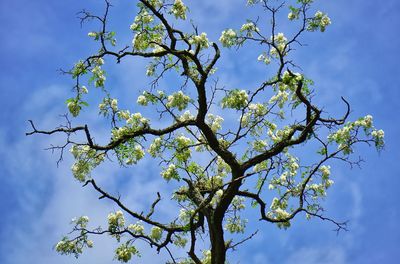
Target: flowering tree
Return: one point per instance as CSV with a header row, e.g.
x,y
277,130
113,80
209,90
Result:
x,y
218,169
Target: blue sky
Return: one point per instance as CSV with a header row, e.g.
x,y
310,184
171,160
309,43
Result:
x,y
357,57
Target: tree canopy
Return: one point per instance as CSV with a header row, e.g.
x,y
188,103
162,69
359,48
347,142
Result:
x,y
223,150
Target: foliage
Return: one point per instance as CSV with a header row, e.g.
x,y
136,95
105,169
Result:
x,y
218,168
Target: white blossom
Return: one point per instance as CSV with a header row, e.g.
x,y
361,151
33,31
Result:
x,y
179,9
142,100
228,38
215,122
124,252
170,173
186,116
155,147
263,57
200,40
92,34
156,233
249,28
178,100
136,229
235,99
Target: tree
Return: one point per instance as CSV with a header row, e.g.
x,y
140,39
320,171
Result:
x,y
217,169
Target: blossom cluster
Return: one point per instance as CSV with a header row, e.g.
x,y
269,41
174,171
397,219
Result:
x,y
74,107
252,2
182,146
285,90
345,136
263,57
319,190
86,159
378,136
280,98
279,42
228,38
179,9
170,173
180,241
146,97
142,100
155,147
185,215
134,122
79,69
155,3
235,225
319,21
180,194
116,221
125,251
137,154
67,247
186,116
217,197
235,99
151,67
195,169
279,135
148,34
259,145
291,79
215,122
260,167
325,173
256,111
290,166
238,203
325,170
81,221
130,151
93,34
222,167
200,40
214,182
108,104
98,76
142,18
294,13
178,100
279,213
136,229
97,61
249,28
75,246
144,40
156,233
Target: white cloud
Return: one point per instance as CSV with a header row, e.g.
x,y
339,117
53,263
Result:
x,y
260,258
217,11
323,255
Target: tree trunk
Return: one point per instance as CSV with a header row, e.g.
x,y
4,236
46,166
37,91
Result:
x,y
218,250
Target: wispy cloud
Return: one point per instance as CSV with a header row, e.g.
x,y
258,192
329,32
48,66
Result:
x,y
324,255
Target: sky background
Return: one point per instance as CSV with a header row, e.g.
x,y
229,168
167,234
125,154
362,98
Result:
x,y
357,58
